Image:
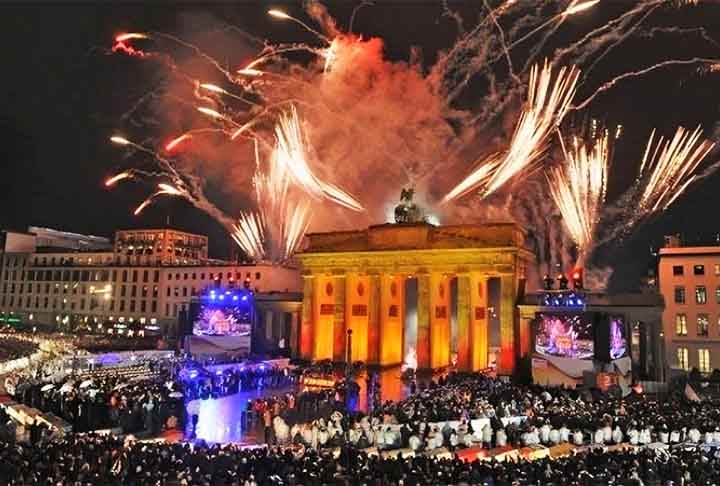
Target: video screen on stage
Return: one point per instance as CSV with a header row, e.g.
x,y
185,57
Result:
x,y
564,335
222,320
618,338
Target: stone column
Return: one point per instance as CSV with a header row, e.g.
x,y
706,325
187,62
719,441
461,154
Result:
x,y
507,325
291,341
479,322
374,317
464,320
524,337
392,319
307,323
340,336
423,321
269,324
439,321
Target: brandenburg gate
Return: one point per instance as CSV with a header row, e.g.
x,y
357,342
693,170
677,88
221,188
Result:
x,y
358,280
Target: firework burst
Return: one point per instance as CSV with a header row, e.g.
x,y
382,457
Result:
x,y
579,187
548,101
669,167
377,125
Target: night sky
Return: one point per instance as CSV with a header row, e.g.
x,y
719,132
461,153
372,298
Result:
x,y
61,95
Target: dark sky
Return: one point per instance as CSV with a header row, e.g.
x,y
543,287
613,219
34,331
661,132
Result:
x,y
61,96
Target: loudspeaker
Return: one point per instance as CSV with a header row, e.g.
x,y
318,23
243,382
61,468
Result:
x,y
601,337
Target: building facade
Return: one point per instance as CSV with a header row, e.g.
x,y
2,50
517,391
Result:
x,y
689,280
371,295
141,282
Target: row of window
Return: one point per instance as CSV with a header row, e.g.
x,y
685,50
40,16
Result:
x,y
702,329
703,359
679,270
92,304
213,276
700,295
103,275
48,288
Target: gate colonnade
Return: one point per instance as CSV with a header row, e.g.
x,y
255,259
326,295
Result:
x,y
357,280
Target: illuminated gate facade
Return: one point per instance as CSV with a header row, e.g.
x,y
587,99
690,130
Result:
x,y
356,280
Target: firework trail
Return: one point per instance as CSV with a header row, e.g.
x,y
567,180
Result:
x,y
669,167
634,74
579,188
248,234
548,101
292,154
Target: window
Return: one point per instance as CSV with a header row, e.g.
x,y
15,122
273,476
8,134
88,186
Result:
x,y
680,325
184,291
717,295
144,291
155,291
142,306
168,291
133,291
154,306
124,275
678,270
169,276
132,306
202,276
257,275
699,270
145,276
703,325
122,306
700,294
704,360
682,358
134,276
679,295
717,269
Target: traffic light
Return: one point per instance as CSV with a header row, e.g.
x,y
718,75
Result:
x,y
562,282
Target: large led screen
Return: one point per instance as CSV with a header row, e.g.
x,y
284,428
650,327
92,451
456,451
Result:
x,y
564,335
215,320
618,338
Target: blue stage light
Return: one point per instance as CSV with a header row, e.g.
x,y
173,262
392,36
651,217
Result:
x,y
222,297
235,297
244,298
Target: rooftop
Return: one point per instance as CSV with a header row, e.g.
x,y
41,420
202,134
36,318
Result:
x,y
417,236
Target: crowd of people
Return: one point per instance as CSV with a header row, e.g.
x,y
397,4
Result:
x,y
466,410
137,398
108,460
313,437
206,382
14,346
